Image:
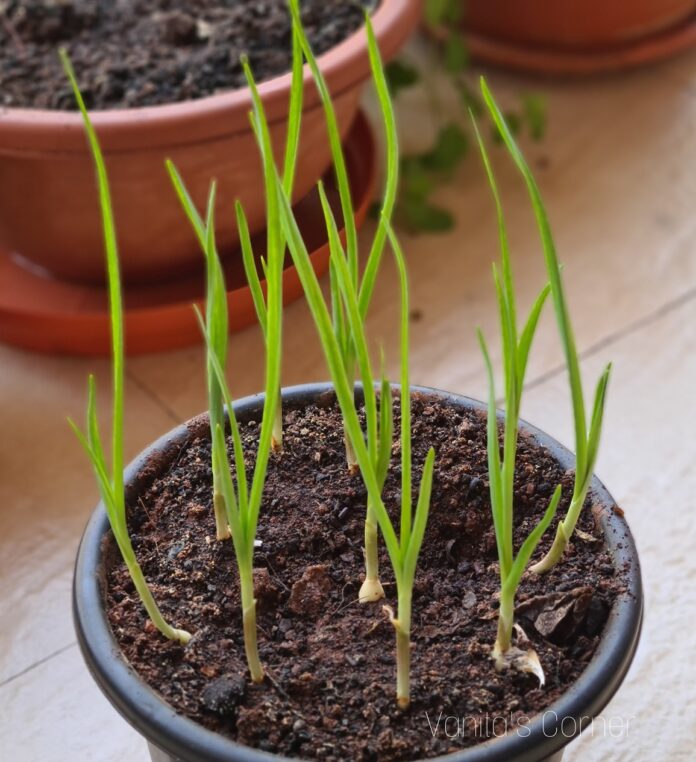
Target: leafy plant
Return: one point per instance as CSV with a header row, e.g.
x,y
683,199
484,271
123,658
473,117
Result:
x,y
274,239
515,346
111,485
274,244
403,548
423,172
340,324
586,440
371,589
218,333
242,505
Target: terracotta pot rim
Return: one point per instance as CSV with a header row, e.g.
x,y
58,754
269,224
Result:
x,y
552,59
185,740
344,67
575,63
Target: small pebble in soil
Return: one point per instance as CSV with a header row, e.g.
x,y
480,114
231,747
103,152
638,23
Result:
x,y
223,695
309,592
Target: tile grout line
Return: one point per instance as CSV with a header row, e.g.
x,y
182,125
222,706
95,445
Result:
x,y
613,338
176,419
38,663
145,389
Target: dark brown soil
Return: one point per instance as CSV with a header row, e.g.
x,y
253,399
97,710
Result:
x,y
145,52
330,659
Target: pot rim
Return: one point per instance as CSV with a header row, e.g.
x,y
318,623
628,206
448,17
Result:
x,y
344,66
183,738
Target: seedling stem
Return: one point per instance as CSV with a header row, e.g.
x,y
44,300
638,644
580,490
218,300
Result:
x,y
586,442
111,486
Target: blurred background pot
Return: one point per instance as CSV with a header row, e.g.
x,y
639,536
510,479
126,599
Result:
x,y
574,23
577,37
49,215
57,316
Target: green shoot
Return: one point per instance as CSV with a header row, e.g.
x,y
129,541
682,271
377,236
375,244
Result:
x,y
378,419
516,348
586,441
273,228
111,486
205,233
403,548
242,505
274,241
364,287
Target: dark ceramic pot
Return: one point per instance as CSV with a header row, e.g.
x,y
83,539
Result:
x,y
173,738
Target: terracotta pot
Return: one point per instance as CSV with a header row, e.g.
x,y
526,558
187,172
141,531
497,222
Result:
x,y
47,315
174,738
48,203
577,24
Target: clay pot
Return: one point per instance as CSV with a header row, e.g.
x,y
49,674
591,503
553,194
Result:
x,y
49,213
578,24
174,738
48,315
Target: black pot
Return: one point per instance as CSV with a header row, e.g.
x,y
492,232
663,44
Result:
x,y
174,738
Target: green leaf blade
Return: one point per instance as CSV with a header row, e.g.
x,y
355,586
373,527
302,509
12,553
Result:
x,y
530,544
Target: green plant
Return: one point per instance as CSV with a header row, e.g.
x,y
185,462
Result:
x,y
371,589
515,348
242,505
274,244
274,238
218,333
586,440
342,333
447,62
403,548
111,486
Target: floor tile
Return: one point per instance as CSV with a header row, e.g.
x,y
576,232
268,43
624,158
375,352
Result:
x,y
70,721
47,493
646,461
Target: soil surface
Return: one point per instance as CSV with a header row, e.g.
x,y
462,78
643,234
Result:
x,y
145,52
330,663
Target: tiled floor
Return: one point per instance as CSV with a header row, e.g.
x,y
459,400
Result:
x,y
617,170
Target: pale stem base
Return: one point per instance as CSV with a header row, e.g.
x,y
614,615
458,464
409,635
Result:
x,y
351,460
403,669
251,647
222,530
505,655
506,619
371,589
560,543
402,625
277,433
